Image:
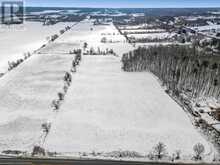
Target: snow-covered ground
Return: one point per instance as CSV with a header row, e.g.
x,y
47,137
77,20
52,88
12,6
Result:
x,y
26,94
17,40
45,12
152,35
143,31
206,106
208,27
86,32
140,26
105,108
153,44
158,43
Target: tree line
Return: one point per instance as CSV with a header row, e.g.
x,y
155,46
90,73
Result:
x,y
56,103
180,68
187,72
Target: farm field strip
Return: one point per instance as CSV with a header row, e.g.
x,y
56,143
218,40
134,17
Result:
x,y
26,95
107,109
26,39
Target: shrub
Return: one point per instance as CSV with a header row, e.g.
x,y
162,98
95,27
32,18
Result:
x,y
46,127
151,156
61,96
38,151
177,155
62,31
12,152
55,104
124,154
65,88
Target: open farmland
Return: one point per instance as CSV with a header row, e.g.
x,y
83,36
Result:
x,y
87,32
105,110
23,39
141,31
145,35
26,95
108,110
151,35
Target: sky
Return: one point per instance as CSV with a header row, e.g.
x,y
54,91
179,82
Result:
x,y
124,3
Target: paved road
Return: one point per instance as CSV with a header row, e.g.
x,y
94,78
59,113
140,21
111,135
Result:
x,y
17,161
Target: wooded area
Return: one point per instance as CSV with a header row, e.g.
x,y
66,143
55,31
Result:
x,y
180,68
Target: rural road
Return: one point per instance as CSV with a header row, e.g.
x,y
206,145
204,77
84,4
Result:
x,y
27,161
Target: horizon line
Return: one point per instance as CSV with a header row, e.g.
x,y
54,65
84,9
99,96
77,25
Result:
x,y
199,7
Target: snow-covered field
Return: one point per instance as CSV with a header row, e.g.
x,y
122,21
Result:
x,y
86,32
26,94
17,40
143,31
105,108
208,27
140,26
152,35
152,44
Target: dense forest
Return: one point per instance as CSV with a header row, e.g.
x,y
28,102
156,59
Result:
x,y
182,69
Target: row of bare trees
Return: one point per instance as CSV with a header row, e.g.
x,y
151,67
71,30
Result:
x,y
180,68
67,82
159,152
98,51
144,31
65,29
56,103
150,39
75,51
14,64
55,36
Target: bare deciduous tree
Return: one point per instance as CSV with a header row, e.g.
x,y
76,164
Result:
x,y
160,150
198,149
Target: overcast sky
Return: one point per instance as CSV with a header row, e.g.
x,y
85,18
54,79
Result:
x,y
124,3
